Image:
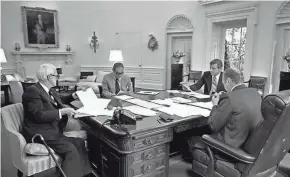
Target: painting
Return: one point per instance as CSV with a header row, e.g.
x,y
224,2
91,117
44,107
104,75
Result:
x,y
40,27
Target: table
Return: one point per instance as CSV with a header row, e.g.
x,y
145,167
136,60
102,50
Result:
x,y
145,153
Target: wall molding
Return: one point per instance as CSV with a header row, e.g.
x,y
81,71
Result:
x,y
146,77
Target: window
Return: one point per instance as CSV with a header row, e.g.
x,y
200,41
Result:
x,y
235,42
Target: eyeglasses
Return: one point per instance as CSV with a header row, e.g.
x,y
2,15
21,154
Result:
x,y
56,76
118,74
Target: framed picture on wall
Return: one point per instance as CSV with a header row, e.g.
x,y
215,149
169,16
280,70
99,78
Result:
x,y
40,27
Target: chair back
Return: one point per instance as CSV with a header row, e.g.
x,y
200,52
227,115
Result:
x,y
270,141
13,116
195,75
16,91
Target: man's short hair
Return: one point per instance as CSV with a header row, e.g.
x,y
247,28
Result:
x,y
218,62
116,65
233,74
44,71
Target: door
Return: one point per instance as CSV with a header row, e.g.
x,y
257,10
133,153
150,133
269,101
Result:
x,y
181,42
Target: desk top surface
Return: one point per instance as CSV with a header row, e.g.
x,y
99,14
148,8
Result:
x,y
144,124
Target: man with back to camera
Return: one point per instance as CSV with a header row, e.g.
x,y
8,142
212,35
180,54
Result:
x,y
116,82
45,114
235,113
211,80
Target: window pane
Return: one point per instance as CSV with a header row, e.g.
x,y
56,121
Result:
x,y
229,35
237,35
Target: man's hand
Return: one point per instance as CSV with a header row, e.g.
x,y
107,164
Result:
x,y
67,111
215,99
122,93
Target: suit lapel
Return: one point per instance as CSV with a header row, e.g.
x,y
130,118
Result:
x,y
45,94
220,82
209,82
57,99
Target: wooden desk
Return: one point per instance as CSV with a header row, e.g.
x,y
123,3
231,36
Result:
x,y
146,153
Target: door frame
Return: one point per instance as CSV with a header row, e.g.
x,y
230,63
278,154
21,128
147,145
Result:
x,y
167,64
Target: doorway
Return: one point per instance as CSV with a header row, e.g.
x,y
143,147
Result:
x,y
179,40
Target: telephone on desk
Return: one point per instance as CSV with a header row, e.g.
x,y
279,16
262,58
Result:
x,y
125,117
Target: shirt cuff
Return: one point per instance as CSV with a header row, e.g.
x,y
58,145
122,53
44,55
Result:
x,y
59,113
74,95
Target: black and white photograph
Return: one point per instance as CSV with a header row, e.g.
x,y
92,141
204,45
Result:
x,y
40,26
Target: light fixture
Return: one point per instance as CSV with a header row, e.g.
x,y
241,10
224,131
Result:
x,y
2,57
116,56
94,42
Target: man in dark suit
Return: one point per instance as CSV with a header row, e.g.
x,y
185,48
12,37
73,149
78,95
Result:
x,y
211,80
235,113
45,114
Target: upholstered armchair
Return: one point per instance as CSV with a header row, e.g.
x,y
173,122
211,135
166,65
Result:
x,y
30,158
262,152
258,83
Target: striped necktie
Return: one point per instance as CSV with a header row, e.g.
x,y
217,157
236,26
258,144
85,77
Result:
x,y
214,84
117,87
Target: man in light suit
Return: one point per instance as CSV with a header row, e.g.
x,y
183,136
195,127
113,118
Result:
x,y
116,83
211,80
235,113
46,114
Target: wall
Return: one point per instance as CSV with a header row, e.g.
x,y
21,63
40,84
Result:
x,y
78,20
263,38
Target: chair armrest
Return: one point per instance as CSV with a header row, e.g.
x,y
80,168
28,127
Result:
x,y
227,149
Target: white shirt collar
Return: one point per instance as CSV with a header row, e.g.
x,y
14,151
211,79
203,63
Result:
x,y
217,77
237,86
45,88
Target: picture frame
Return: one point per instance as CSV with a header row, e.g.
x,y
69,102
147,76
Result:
x,y
40,27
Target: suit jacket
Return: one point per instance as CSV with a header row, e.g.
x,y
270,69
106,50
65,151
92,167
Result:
x,y
41,114
108,84
206,80
236,115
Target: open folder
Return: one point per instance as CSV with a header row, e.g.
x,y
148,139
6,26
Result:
x,y
93,105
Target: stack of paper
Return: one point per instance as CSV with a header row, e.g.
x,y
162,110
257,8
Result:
x,y
92,104
184,110
142,103
165,102
173,91
180,100
148,93
140,110
206,105
123,97
196,95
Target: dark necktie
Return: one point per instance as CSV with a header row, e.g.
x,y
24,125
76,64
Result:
x,y
117,87
51,96
214,84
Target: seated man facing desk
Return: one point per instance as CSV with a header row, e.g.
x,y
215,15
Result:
x,y
211,80
116,83
235,113
45,114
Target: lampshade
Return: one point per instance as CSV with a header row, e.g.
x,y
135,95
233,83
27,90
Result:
x,y
116,55
2,56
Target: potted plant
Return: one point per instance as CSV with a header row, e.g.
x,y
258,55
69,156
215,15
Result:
x,y
178,55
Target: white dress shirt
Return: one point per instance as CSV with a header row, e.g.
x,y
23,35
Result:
x,y
47,91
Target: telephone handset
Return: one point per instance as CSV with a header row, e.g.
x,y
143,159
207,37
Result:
x,y
122,116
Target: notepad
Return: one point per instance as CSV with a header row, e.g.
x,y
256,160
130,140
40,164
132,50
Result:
x,y
123,97
184,110
180,100
147,93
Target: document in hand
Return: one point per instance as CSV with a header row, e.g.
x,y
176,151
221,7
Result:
x,y
92,104
206,105
140,111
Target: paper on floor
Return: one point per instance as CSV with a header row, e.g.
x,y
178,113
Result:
x,y
140,110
